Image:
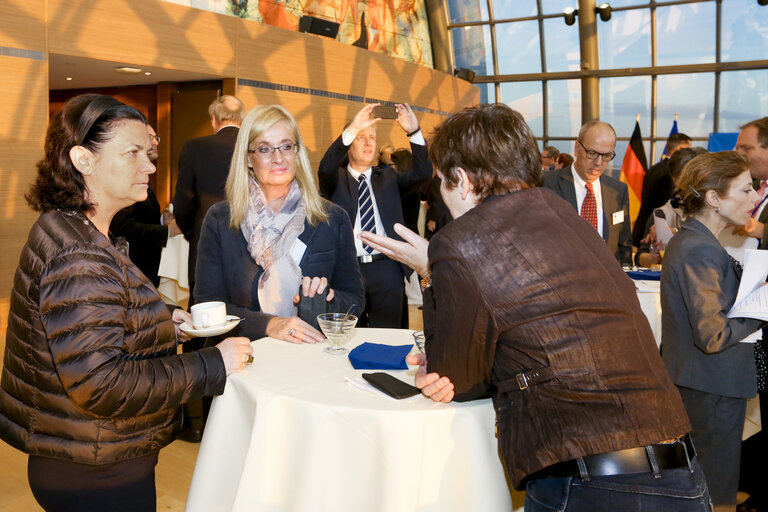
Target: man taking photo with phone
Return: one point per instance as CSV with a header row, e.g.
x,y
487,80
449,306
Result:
x,y
371,197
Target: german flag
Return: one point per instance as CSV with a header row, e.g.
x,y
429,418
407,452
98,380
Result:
x,y
633,171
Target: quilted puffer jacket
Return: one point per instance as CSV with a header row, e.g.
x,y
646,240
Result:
x,y
91,373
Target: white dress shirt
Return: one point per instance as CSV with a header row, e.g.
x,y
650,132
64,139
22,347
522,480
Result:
x,y
347,139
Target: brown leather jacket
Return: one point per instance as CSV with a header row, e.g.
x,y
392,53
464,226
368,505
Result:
x,y
90,373
520,283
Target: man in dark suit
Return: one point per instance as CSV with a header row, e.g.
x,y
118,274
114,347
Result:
x,y
346,175
753,143
145,226
657,186
203,169
602,200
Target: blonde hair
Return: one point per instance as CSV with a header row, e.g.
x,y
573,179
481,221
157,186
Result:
x,y
259,120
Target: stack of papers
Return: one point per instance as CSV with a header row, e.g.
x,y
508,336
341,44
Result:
x,y
752,298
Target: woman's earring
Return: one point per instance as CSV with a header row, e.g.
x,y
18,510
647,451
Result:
x,y
717,209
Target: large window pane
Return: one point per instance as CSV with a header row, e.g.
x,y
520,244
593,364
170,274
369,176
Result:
x,y
518,47
472,49
525,97
467,10
686,34
625,40
743,97
621,99
561,44
555,6
744,31
692,97
563,108
487,93
503,9
625,3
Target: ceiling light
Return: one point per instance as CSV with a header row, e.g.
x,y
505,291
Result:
x,y
604,10
569,13
127,70
147,73
69,78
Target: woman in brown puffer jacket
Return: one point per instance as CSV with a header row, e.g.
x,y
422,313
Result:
x,y
91,382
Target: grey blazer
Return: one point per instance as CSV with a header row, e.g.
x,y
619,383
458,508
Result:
x,y
700,344
615,197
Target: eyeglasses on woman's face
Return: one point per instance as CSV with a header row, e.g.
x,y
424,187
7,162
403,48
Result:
x,y
266,152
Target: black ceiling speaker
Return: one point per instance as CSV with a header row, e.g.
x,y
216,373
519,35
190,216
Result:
x,y
465,74
318,26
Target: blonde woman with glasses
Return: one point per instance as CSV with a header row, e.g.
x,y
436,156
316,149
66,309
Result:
x,y
275,239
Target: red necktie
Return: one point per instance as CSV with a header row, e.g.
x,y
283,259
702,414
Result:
x,y
589,207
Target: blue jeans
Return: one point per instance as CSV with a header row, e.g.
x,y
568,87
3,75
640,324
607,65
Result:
x,y
677,490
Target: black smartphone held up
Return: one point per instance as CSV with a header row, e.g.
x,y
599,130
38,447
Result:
x,y
390,385
385,112
310,307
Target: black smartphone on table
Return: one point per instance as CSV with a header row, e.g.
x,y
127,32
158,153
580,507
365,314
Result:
x,y
390,385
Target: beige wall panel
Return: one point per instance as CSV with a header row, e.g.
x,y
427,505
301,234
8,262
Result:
x,y
283,57
24,110
145,32
22,24
321,119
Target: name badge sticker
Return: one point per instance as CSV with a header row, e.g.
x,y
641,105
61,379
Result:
x,y
297,251
618,217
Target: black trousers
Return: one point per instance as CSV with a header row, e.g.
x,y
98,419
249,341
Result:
x,y
62,486
384,294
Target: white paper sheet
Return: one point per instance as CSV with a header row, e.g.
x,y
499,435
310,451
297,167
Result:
x,y
752,297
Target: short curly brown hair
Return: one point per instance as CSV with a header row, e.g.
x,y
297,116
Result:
x,y
494,146
88,120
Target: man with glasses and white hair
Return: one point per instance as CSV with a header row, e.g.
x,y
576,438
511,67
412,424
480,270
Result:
x,y
601,200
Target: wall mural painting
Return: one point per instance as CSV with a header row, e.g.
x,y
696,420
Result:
x,y
395,27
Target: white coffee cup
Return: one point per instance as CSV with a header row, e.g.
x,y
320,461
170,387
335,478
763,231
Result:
x,y
208,314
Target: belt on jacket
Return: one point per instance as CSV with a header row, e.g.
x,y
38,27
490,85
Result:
x,y
623,462
370,258
524,380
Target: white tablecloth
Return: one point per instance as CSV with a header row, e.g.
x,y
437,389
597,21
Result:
x,y
174,277
289,434
649,294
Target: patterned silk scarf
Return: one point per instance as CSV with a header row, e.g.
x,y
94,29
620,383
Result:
x,y
270,236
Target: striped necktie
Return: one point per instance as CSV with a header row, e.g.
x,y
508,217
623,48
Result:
x,y
365,209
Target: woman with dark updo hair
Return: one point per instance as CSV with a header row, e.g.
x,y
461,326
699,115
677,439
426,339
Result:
x,y
702,349
91,382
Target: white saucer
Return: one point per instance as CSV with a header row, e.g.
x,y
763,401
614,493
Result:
x,y
230,324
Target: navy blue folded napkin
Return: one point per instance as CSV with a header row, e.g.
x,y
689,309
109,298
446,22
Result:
x,y
375,356
647,275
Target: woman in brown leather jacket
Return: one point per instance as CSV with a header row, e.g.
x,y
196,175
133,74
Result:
x,y
91,381
528,305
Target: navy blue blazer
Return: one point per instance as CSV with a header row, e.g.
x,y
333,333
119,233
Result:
x,y
338,186
615,197
203,170
225,270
